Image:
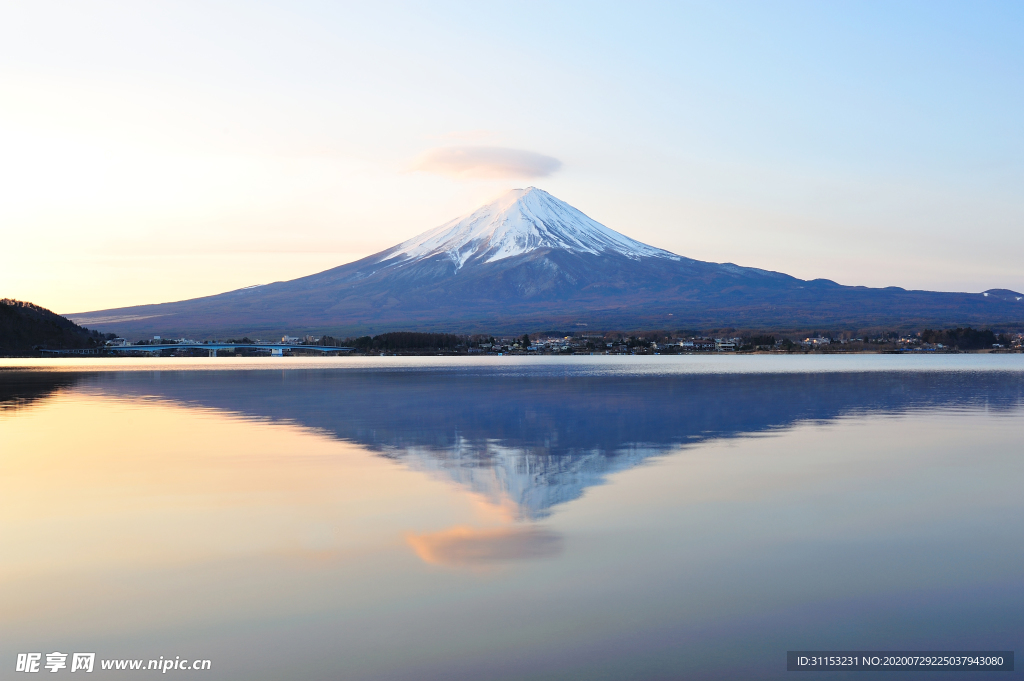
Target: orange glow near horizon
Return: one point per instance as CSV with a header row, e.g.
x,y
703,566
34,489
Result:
x,y
160,152
92,487
464,546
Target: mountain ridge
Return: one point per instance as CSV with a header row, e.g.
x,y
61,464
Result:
x,y
528,260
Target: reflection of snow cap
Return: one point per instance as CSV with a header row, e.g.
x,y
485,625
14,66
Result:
x,y
525,482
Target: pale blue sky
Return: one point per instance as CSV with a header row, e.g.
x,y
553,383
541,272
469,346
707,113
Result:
x,y
154,151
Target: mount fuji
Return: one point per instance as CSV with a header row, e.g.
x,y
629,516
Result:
x,y
521,221
529,262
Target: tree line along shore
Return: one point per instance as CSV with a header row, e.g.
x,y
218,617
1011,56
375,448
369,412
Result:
x,y
28,330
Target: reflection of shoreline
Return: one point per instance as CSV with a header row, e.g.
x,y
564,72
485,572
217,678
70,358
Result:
x,y
534,442
22,389
716,364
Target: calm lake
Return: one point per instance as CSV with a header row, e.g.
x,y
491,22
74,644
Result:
x,y
510,518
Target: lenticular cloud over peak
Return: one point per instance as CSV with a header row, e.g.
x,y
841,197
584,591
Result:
x,y
474,162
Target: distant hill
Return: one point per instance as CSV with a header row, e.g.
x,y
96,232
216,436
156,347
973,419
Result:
x,y
529,262
25,328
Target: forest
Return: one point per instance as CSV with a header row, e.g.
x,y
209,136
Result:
x,y
26,328
399,340
963,338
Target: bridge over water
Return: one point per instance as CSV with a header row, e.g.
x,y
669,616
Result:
x,y
276,349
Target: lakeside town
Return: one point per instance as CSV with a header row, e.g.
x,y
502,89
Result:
x,y
27,330
614,343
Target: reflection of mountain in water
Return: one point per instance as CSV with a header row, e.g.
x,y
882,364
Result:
x,y
538,440
531,479
20,389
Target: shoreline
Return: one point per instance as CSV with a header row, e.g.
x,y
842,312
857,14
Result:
x,y
554,365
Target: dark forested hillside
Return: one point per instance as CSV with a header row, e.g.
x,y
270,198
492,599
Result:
x,y
26,328
400,340
964,339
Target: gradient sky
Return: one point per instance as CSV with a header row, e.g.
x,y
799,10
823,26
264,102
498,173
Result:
x,y
159,151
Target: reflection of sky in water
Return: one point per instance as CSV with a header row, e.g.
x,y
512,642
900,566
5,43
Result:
x,y
473,547
281,523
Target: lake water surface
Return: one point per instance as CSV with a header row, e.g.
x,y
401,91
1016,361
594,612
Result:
x,y
510,518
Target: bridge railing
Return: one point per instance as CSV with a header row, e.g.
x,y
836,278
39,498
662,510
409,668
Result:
x,y
225,346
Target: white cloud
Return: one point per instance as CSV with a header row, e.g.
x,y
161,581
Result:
x,y
486,162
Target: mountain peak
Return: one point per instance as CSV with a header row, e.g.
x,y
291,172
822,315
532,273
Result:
x,y
518,222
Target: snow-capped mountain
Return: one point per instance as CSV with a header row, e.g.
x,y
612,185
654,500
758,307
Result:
x,y
521,221
530,262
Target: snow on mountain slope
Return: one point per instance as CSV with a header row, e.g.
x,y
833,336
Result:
x,y
518,222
